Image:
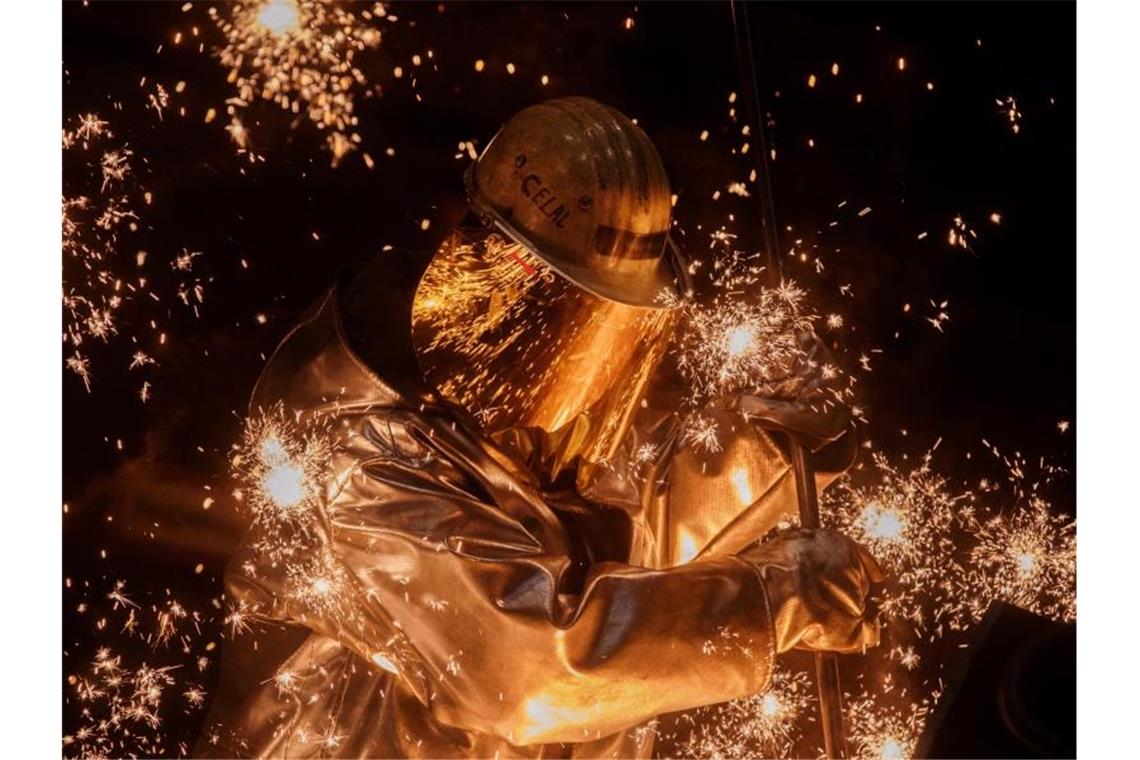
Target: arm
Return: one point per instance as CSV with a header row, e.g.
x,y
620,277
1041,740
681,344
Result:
x,y
439,564
435,561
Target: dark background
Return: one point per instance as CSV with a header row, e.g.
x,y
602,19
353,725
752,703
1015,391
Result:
x,y
1003,369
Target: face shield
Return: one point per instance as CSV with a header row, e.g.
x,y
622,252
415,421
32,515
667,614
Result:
x,y
525,350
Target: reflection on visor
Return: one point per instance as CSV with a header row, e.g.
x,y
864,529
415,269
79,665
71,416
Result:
x,y
519,346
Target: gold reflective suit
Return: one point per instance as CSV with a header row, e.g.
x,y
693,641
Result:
x,y
487,615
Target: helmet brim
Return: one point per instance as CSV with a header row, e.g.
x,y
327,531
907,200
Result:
x,y
657,283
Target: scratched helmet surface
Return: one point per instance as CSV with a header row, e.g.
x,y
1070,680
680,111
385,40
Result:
x,y
583,188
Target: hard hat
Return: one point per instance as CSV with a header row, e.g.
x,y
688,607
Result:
x,y
583,188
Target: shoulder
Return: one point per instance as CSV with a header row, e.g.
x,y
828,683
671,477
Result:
x,y
375,313
353,345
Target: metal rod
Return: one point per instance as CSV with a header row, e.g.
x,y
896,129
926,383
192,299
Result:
x,y
826,663
765,197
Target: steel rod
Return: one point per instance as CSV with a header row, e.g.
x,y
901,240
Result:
x,y
826,663
752,108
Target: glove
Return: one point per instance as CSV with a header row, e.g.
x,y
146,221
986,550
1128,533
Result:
x,y
818,583
803,401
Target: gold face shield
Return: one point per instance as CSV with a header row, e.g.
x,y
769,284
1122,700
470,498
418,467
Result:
x,y
524,349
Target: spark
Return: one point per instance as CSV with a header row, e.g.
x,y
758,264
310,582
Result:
x,y
280,16
763,725
91,126
124,702
907,657
81,366
94,217
318,582
331,739
286,680
1026,557
285,484
302,56
941,316
158,100
282,463
167,622
117,596
910,521
746,338
702,433
104,280
884,731
237,618
646,452
1008,107
738,188
434,603
737,343
115,165
961,234
642,456
238,133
